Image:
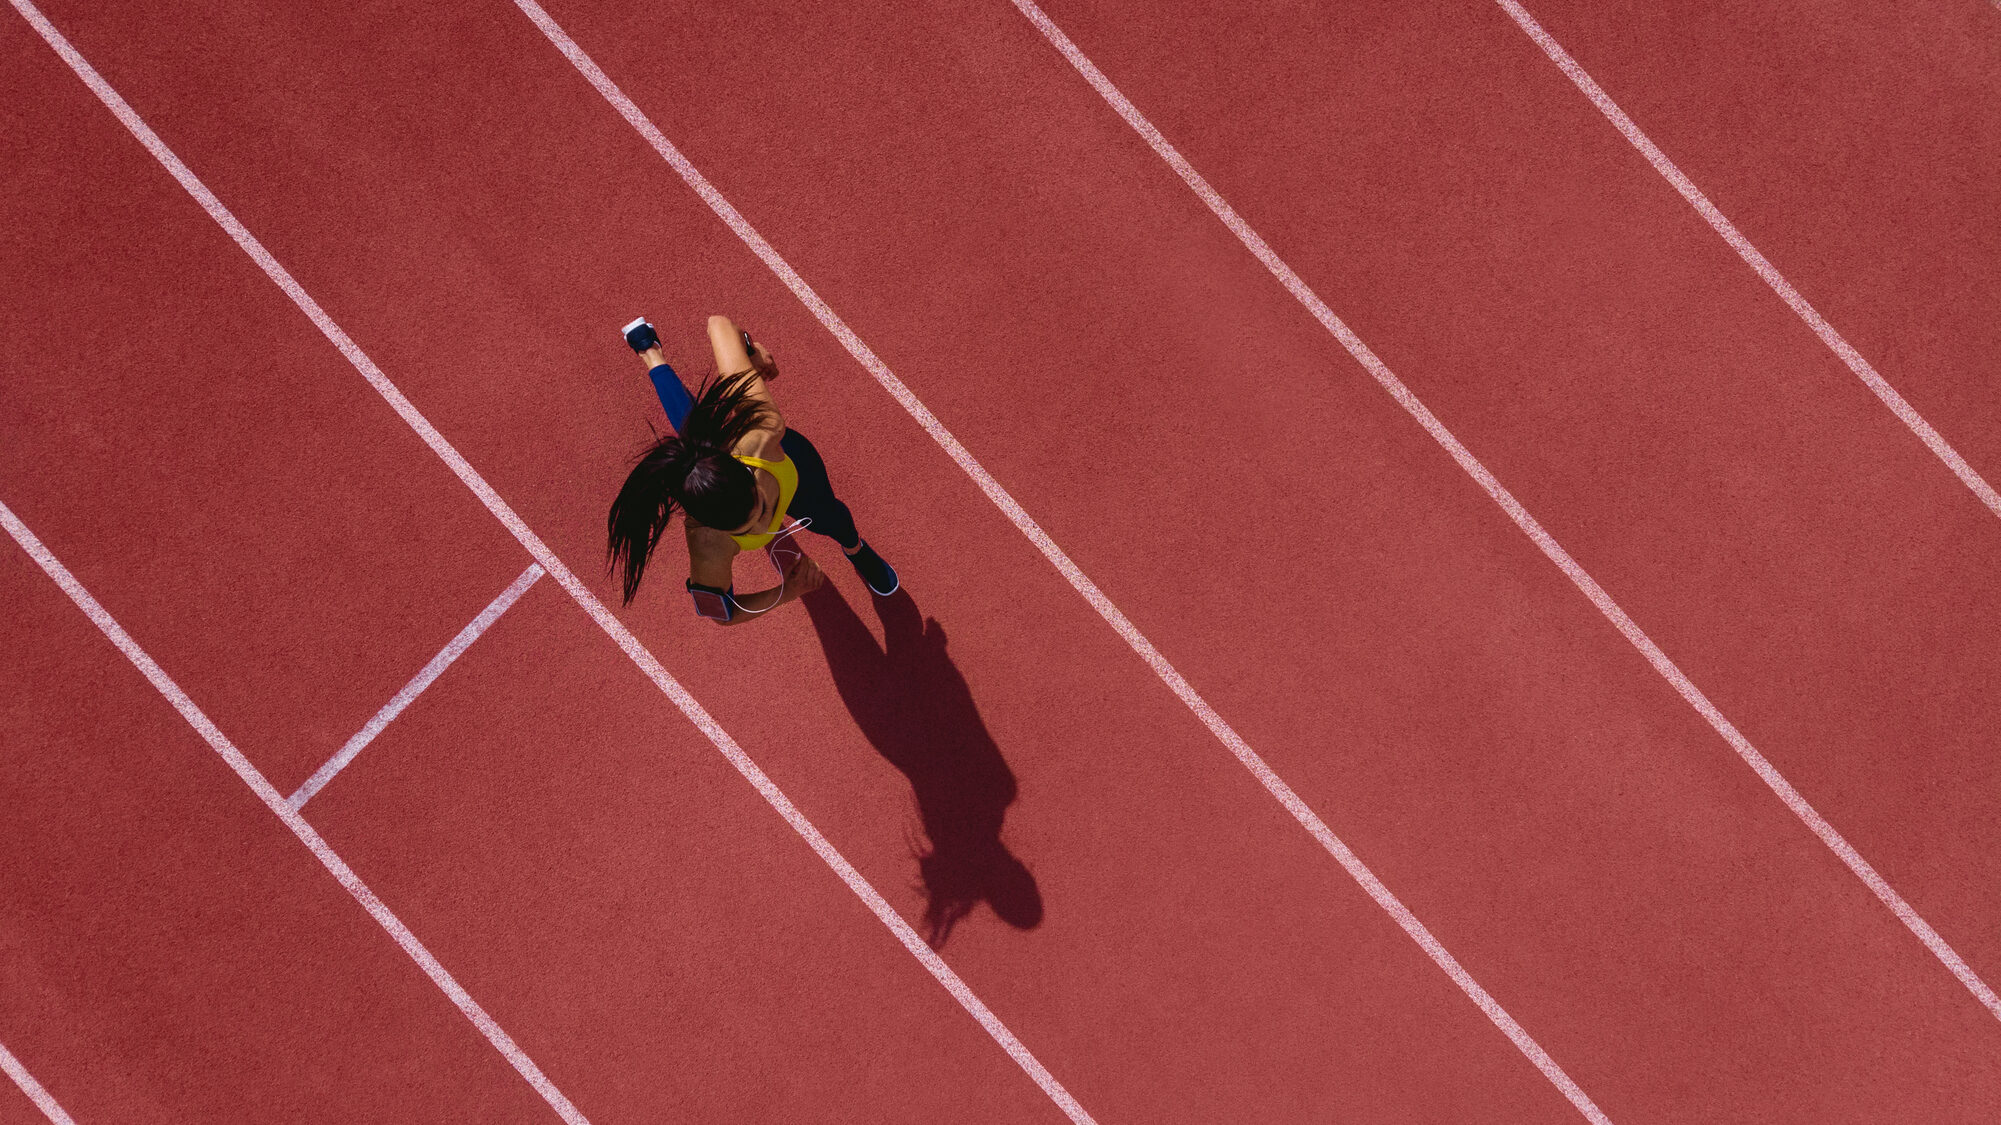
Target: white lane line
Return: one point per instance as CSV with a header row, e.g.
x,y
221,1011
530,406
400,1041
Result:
x,y
1905,412
627,643
1576,573
416,686
1070,571
42,1099
285,812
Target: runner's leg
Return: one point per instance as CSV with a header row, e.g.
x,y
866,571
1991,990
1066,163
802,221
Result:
x,y
815,499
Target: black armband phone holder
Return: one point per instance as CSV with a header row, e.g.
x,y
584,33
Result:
x,y
713,603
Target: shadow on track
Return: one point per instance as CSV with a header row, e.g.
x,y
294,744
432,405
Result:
x,y
912,704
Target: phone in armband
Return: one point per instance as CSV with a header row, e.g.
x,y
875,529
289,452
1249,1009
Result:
x,y
710,604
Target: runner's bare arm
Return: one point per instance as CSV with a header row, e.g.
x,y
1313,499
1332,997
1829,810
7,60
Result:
x,y
710,553
726,339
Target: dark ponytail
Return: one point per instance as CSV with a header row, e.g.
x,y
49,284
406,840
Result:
x,y
691,470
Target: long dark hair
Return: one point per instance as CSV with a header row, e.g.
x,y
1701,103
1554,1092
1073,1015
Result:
x,y
692,471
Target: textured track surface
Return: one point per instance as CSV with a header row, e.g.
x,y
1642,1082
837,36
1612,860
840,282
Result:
x,y
477,218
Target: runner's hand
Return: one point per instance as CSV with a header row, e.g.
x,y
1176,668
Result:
x,y
767,368
803,576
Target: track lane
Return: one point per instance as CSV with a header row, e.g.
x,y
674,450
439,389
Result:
x,y
671,948
939,251
1859,145
495,321
1746,500
832,1000
168,951
1197,921
164,408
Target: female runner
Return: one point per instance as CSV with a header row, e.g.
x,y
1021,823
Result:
x,y
736,471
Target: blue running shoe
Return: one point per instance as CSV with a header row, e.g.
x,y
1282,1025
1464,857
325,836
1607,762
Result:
x,y
640,336
880,576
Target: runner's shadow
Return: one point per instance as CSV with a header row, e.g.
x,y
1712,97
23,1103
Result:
x,y
910,701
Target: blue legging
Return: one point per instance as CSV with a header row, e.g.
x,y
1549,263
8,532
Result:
x,y
813,501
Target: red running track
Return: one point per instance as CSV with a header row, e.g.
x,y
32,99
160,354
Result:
x,y
475,216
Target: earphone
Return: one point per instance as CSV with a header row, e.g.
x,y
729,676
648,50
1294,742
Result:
x,y
771,552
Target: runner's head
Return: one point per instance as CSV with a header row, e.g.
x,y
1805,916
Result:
x,y
692,471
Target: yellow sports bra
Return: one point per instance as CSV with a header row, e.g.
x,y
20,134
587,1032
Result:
x,y
788,483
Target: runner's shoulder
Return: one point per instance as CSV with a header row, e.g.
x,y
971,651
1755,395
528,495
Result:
x,y
763,443
708,542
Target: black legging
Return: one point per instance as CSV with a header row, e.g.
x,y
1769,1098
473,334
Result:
x,y
815,500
